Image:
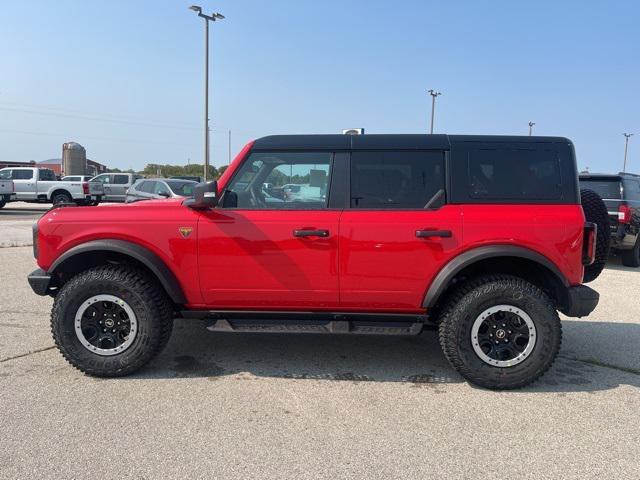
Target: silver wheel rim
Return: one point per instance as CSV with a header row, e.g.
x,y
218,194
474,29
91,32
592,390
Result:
x,y
511,313
123,313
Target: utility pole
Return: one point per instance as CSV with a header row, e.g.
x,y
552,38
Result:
x,y
207,19
433,94
531,124
229,162
626,147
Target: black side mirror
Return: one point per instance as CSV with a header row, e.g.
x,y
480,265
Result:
x,y
205,196
165,194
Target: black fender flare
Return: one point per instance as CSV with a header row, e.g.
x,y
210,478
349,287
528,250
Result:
x,y
149,259
469,257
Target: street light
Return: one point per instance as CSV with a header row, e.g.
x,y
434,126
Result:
x,y
531,124
207,18
626,147
433,94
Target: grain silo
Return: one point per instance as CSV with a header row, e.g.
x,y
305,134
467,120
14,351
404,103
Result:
x,y
74,159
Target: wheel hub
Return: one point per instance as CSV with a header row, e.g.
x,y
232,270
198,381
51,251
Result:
x,y
503,336
105,325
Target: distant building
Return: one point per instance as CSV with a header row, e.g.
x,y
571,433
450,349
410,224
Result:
x,y
32,163
55,164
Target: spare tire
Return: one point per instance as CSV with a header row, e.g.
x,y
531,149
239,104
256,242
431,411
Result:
x,y
596,211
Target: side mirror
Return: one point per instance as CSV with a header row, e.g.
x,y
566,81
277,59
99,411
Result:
x,y
164,194
205,196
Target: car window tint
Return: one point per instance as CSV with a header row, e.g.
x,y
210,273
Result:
x,y
120,179
605,187
160,187
101,178
22,174
71,179
46,175
395,180
283,180
146,186
514,174
632,189
182,188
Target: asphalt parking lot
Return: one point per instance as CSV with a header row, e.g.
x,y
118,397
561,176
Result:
x,y
216,405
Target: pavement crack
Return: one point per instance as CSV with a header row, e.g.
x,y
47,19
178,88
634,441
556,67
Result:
x,y
39,350
598,363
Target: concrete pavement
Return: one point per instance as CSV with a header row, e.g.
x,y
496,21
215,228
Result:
x,y
229,406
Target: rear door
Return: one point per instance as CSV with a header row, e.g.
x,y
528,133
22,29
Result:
x,y
119,185
259,251
24,183
391,242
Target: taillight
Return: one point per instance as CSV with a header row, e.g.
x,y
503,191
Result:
x,y
624,213
589,243
85,188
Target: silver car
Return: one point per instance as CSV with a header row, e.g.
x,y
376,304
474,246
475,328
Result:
x,y
154,188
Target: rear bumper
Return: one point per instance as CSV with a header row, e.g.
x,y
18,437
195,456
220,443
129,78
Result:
x,y
39,280
580,301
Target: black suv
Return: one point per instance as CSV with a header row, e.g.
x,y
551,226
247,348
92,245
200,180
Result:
x,y
621,194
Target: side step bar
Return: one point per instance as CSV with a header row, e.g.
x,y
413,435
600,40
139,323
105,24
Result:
x,y
310,322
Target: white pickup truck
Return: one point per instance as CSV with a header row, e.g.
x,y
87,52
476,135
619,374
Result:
x,y
6,192
40,185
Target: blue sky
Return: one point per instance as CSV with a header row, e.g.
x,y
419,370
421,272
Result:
x,y
124,78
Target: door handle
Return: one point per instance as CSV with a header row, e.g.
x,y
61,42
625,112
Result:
x,y
311,233
433,233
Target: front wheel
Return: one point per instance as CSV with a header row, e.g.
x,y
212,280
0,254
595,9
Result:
x,y
2,203
109,321
500,332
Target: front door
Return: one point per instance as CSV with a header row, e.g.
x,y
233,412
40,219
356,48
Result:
x,y
264,249
398,232
24,183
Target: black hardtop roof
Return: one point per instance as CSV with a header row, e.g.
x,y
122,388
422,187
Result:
x,y
387,141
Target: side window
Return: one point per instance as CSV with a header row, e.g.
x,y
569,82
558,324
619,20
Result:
x,y
280,181
22,174
514,174
632,189
46,175
395,180
120,179
102,178
146,186
160,188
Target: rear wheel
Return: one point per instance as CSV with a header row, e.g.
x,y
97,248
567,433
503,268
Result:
x,y
109,321
61,197
596,211
631,258
500,332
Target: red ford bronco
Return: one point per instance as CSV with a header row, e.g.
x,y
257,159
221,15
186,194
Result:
x,y
484,237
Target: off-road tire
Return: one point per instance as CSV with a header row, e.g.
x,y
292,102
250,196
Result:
x,y
475,296
631,258
596,211
61,197
143,294
2,203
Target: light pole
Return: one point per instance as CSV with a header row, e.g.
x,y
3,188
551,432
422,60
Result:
x,y
433,94
626,147
207,19
531,124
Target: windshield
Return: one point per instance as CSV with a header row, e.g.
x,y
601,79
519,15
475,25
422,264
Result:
x,y
607,188
184,188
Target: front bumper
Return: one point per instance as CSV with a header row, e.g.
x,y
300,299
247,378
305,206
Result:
x,y
39,280
580,301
